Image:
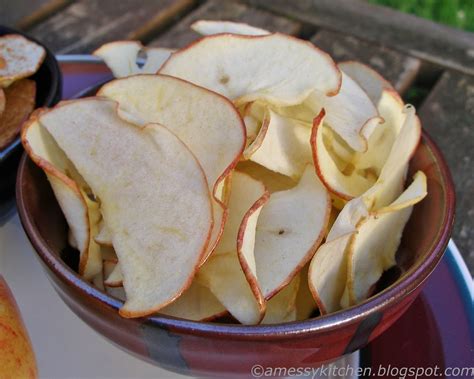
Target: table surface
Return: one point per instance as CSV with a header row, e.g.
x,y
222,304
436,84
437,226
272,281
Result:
x,y
432,65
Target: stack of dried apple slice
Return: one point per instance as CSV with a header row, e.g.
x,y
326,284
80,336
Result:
x,y
20,58
246,173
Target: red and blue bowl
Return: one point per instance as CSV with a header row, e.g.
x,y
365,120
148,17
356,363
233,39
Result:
x,y
220,349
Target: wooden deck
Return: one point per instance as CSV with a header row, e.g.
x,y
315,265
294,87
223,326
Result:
x,y
435,60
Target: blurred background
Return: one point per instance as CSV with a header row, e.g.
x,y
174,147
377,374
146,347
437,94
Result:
x,y
456,13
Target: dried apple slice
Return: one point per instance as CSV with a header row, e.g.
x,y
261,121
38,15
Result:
x,y
390,107
351,113
244,194
343,185
328,269
108,253
224,277
285,146
114,278
103,236
121,57
370,80
210,27
20,102
206,122
390,183
19,58
146,180
282,307
255,143
305,304
80,212
197,303
372,249
328,274
289,230
98,281
276,68
247,197
109,265
2,101
347,184
273,181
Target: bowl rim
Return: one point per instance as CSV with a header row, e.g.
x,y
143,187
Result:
x,y
55,88
396,292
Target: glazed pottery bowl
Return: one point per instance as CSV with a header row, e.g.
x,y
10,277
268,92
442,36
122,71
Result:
x,y
221,349
48,92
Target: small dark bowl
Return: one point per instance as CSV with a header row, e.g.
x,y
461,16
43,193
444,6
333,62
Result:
x,y
48,92
219,349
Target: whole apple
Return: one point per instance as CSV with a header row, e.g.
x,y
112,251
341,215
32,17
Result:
x,y
17,359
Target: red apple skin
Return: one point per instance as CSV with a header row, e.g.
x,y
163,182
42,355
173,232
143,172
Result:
x,y
17,359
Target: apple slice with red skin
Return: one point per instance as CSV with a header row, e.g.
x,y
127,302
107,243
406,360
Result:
x,y
121,57
290,228
146,179
275,68
210,27
206,122
80,212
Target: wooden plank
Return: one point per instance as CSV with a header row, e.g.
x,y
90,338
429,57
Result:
x,y
424,39
399,69
86,24
180,34
448,115
24,13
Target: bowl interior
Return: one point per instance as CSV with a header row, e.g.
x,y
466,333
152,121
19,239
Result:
x,y
424,240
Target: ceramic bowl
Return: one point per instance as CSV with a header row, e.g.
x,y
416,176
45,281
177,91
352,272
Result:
x,y
48,92
219,349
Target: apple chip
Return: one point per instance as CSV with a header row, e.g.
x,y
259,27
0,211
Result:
x,y
196,303
275,68
328,269
348,173
282,306
2,101
121,58
305,304
289,230
146,180
19,58
285,147
108,253
114,277
210,27
370,80
98,281
344,184
390,107
223,275
109,265
244,194
372,249
351,113
80,212
19,103
328,273
103,236
254,142
273,181
206,122
390,183
247,197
